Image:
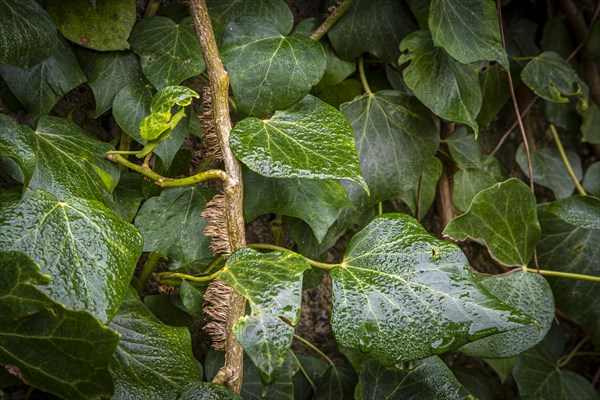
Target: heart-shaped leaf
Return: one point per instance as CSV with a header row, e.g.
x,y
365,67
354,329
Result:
x,y
400,294
269,71
57,350
169,52
468,30
505,218
105,27
467,182
27,34
61,158
448,88
90,252
153,360
296,143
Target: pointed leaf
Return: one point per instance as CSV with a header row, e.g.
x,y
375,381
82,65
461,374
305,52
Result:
x,y
464,149
296,143
395,138
338,382
495,93
505,218
206,391
447,87
421,196
468,182
591,179
169,52
468,30
401,294
68,163
105,27
269,71
90,252
27,34
153,360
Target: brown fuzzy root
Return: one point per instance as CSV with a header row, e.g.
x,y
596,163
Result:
x,y
210,142
216,228
216,308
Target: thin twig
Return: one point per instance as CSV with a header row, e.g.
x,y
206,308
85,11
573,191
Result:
x,y
331,19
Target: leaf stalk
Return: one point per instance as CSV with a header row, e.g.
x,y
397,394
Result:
x,y
563,274
563,155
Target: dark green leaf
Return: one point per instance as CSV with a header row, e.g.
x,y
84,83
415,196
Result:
x,y
169,52
128,196
468,30
475,381
428,187
420,9
153,360
172,226
343,92
372,26
395,138
470,181
447,87
505,218
269,71
68,163
308,140
313,367
90,251
502,366
590,128
549,170
591,179
105,27
520,42
317,202
182,162
192,298
464,149
338,382
108,73
27,34
40,87
563,115
164,308
593,41
495,92
557,36
206,391
400,294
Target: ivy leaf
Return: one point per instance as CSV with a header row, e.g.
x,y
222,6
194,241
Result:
x,y
527,292
107,73
372,26
422,201
104,28
40,87
502,366
27,34
317,202
590,128
468,30
569,243
464,149
495,92
505,218
447,87
153,360
401,294
296,143
169,52
553,79
269,71
128,196
272,283
61,158
467,182
425,379
591,179
57,350
90,252
549,169
207,391
475,381
557,36
338,382
395,138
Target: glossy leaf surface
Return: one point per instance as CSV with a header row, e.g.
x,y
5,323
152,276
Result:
x,y
308,140
505,218
206,391
90,252
269,71
400,294
468,182
420,197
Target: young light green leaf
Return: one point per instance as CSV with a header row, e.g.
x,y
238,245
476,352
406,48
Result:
x,y
172,226
317,202
468,182
296,143
400,294
40,87
159,124
153,360
90,252
468,30
395,138
169,52
104,28
372,26
591,179
447,87
27,34
421,196
57,350
505,218
553,79
207,391
60,158
269,71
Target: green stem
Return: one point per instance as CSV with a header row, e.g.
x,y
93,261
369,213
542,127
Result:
x,y
363,78
264,246
564,360
171,275
151,262
563,155
315,348
563,274
380,208
330,21
213,264
310,382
